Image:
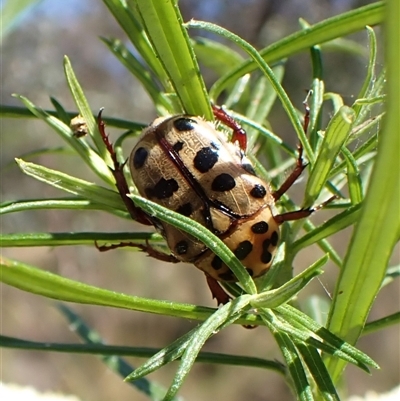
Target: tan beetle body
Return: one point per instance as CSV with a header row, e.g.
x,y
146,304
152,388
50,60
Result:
x,y
185,164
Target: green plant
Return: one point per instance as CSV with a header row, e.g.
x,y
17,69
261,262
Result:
x,y
157,32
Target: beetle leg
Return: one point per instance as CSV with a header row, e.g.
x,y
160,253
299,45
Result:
x,y
301,213
145,248
294,175
136,213
217,291
300,165
239,134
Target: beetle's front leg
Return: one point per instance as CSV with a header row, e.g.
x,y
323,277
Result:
x,y
239,134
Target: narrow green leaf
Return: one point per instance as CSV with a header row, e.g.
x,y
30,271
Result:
x,y
336,99
328,29
300,333
370,76
19,112
327,229
82,238
73,185
353,176
200,336
127,20
61,113
266,69
362,154
318,372
324,245
215,55
11,11
36,281
84,109
378,230
238,90
117,364
140,352
380,324
292,359
62,203
336,134
283,294
93,160
163,24
76,348
168,354
263,98
343,349
316,106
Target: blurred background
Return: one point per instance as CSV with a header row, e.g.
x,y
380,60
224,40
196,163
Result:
x,y
31,64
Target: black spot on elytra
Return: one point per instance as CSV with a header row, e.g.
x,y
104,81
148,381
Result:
x,y
178,146
223,182
266,243
140,157
181,247
250,271
216,263
243,249
249,168
266,255
185,209
274,238
205,159
260,228
184,124
258,191
163,189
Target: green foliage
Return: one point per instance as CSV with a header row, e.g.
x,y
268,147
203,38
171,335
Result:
x,y
168,61
10,12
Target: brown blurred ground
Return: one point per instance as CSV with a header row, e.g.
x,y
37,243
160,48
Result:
x,y
31,64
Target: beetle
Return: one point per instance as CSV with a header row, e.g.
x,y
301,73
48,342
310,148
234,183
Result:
x,y
186,164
